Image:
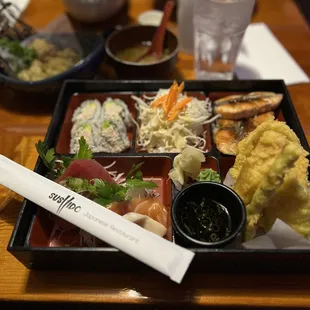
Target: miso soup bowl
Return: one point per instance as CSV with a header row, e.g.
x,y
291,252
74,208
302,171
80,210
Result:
x,y
219,193
128,37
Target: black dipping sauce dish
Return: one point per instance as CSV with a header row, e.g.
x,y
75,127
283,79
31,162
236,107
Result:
x,y
208,215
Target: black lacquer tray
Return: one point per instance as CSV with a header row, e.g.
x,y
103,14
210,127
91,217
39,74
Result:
x,y
31,241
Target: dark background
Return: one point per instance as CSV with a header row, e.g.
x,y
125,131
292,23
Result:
x,y
86,306
304,6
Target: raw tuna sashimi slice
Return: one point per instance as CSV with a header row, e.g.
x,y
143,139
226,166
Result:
x,y
86,169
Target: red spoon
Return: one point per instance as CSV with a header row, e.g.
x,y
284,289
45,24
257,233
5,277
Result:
x,y
157,45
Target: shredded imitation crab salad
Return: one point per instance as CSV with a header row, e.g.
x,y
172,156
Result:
x,y
171,121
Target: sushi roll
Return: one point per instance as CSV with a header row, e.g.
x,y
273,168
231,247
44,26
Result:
x,y
116,120
116,110
86,129
89,110
112,139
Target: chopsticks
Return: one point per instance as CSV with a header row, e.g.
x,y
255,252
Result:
x,y
158,253
12,27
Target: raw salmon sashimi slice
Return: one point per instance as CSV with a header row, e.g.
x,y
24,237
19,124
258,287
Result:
x,y
134,202
120,208
150,207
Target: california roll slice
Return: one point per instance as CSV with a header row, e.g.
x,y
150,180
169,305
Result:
x,y
117,120
89,110
115,110
86,129
112,139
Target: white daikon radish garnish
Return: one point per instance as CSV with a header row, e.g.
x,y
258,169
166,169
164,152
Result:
x,y
146,222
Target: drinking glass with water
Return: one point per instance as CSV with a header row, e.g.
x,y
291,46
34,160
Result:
x,y
219,26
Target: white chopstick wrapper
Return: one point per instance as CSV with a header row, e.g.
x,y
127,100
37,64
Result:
x,y
156,252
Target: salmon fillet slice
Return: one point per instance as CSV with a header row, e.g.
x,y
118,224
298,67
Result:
x,y
230,132
239,107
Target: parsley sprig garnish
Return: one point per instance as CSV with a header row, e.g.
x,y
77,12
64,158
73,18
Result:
x,y
50,160
100,191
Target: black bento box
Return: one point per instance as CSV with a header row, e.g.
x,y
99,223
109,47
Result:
x,y
30,244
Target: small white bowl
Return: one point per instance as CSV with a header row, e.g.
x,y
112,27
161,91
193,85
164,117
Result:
x,y
92,10
150,18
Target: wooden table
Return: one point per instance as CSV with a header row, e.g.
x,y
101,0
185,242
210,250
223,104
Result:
x,y
22,123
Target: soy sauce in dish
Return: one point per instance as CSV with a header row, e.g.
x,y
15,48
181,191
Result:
x,y
207,221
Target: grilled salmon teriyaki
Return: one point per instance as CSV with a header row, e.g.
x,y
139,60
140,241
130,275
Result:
x,y
246,106
241,114
227,133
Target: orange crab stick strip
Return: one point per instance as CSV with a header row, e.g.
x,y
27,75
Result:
x,y
181,105
159,101
178,108
172,98
173,115
180,88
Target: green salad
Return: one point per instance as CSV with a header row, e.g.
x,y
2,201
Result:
x,y
19,56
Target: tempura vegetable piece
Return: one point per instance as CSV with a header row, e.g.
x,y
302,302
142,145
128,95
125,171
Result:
x,y
291,203
246,146
269,144
258,163
147,223
269,184
186,165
